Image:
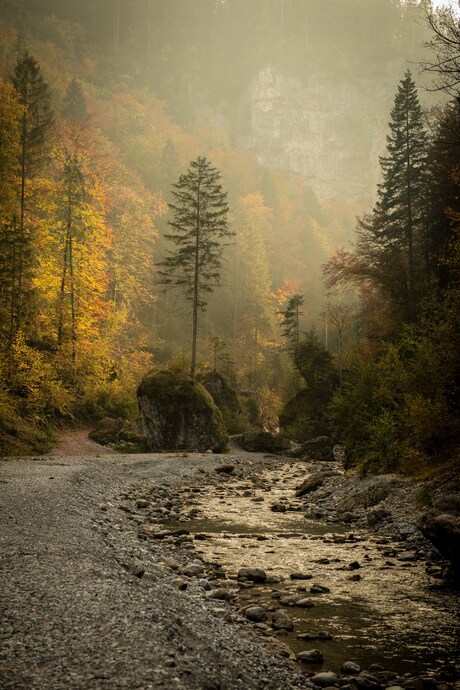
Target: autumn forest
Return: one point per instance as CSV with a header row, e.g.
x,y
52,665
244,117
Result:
x,y
328,295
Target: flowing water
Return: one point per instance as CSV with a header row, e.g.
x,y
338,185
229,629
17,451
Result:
x,y
389,616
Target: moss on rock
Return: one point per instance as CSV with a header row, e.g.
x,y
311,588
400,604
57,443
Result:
x,y
177,413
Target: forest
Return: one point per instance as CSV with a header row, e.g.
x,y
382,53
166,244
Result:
x,y
330,301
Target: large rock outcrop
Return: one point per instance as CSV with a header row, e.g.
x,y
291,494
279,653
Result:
x,y
444,533
225,397
263,442
177,413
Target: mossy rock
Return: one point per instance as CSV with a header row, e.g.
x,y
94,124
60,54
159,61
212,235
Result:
x,y
223,395
177,413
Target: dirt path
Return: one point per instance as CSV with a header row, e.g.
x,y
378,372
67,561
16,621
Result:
x,y
75,442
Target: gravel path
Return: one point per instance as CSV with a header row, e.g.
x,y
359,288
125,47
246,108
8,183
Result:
x,y
73,613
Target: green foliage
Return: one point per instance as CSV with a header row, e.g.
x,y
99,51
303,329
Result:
x,y
107,401
392,414
313,361
423,497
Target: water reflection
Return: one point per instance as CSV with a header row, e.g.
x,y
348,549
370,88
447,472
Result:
x,y
386,614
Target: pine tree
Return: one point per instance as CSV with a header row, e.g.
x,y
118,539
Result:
x,y
199,227
398,216
290,324
36,122
74,107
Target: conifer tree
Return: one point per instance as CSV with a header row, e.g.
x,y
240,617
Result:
x,y
290,324
199,228
399,211
74,107
36,122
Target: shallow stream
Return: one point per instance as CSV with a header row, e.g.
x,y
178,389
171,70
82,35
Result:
x,y
390,615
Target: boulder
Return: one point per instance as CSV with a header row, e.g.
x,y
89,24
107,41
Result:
x,y
263,442
311,483
225,397
444,533
177,413
319,448
252,574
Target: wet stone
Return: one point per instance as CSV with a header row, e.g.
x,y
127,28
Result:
x,y
281,621
324,679
313,656
257,614
350,667
252,574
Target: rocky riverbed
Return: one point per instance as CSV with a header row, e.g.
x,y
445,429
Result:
x,y
125,572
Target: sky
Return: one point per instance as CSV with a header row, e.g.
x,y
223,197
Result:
x,y
453,4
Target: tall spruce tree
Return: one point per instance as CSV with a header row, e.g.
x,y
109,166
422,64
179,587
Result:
x,y
36,122
291,324
398,216
199,229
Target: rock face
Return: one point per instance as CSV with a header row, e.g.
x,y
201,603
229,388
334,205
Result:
x,y
225,397
177,413
263,442
444,532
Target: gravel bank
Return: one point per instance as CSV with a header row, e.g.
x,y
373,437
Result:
x,y
74,613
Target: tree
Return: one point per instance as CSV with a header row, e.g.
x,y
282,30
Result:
x,y
74,191
390,248
290,324
445,48
10,120
199,226
74,107
399,210
37,120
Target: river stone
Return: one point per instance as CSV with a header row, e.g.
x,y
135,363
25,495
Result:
x,y
324,679
305,603
350,667
311,483
221,594
281,621
300,576
225,469
192,570
252,574
314,656
366,681
376,515
319,589
257,614
176,413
